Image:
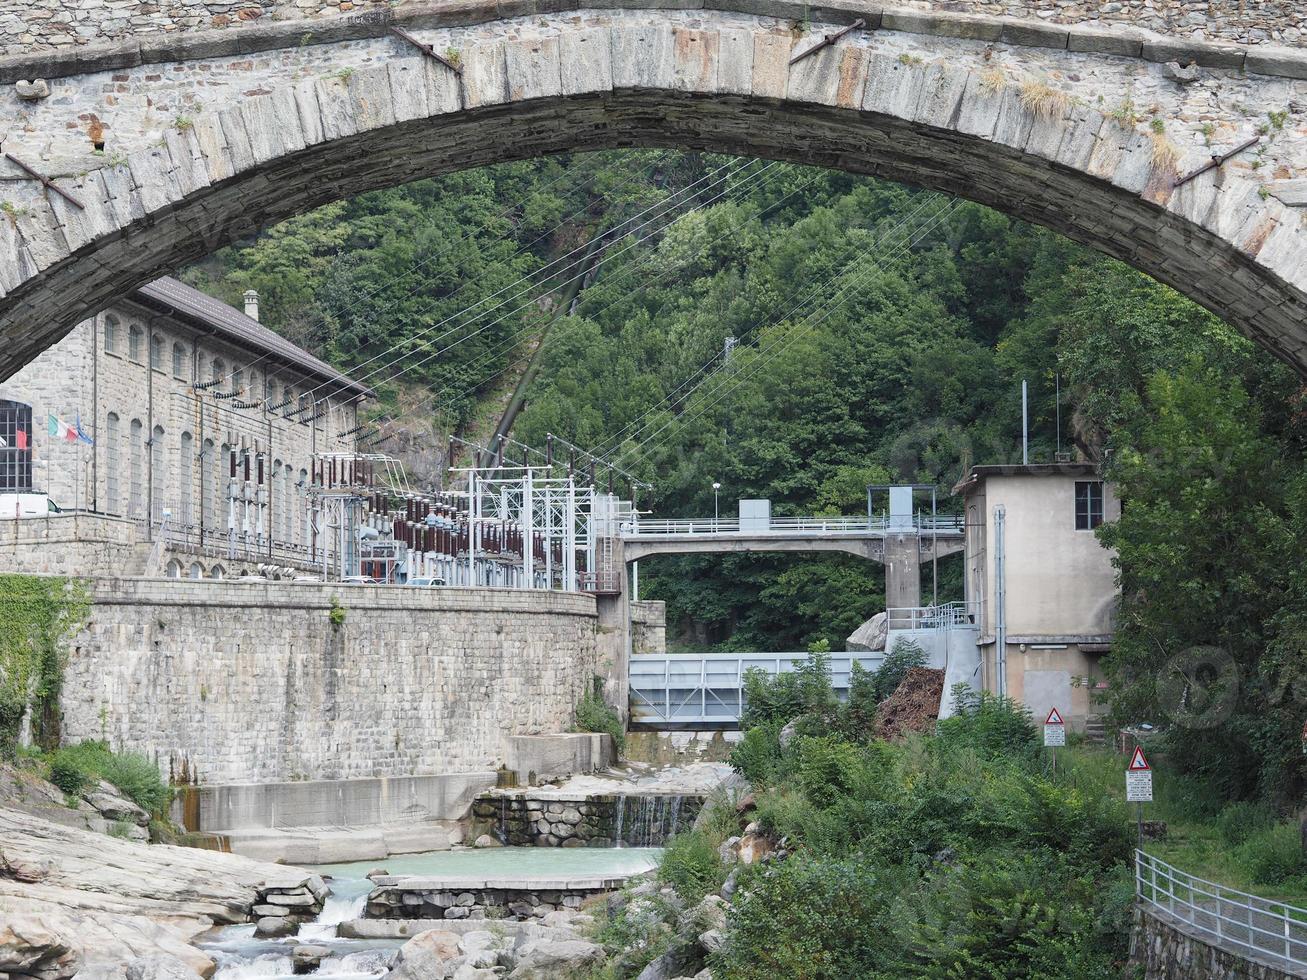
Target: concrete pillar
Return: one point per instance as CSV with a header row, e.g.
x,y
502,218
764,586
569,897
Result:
x,y
902,572
614,640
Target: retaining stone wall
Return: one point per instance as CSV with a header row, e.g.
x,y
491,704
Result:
x,y
557,820
649,626
450,901
243,682
1163,951
27,25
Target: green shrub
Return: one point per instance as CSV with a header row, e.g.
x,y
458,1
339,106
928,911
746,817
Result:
x,y
691,864
77,768
138,778
593,714
814,919
1239,821
769,699
898,661
990,725
121,829
1274,855
757,756
824,767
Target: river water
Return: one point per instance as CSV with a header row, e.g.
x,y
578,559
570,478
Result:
x,y
240,955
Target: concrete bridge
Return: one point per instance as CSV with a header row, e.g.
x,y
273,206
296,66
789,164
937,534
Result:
x,y
161,142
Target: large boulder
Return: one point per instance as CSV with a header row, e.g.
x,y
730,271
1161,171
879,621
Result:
x,y
28,947
547,959
683,958
870,636
427,956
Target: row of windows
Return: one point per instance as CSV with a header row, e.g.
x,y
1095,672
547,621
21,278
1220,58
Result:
x,y
287,401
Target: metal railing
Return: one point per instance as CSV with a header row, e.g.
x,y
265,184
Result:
x,y
946,524
945,616
1224,916
708,688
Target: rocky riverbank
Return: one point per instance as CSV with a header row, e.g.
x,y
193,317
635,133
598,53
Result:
x,y
78,902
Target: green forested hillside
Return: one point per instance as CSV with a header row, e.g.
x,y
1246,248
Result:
x,y
911,372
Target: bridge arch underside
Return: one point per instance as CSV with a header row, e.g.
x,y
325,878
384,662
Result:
x,y
1220,239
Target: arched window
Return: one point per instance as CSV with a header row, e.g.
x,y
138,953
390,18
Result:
x,y
221,506
219,369
275,501
237,381
179,361
16,451
208,480
112,334
156,352
186,478
217,571
113,465
301,504
136,465
158,474
174,569
135,338
195,571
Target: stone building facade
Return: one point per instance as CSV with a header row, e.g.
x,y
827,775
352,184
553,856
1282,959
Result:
x,y
199,426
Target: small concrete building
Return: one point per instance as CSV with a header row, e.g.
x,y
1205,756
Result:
x,y
132,424
1041,587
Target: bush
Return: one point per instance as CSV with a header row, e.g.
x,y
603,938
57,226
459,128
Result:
x,y
691,864
1239,821
824,767
990,725
769,699
1274,855
77,768
813,918
594,715
757,756
905,655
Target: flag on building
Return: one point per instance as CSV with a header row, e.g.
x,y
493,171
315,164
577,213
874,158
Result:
x,y
20,437
59,429
81,433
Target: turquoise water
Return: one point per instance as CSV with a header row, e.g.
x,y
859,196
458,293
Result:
x,y
508,862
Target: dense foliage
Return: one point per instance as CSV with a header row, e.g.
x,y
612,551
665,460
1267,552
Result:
x,y
75,769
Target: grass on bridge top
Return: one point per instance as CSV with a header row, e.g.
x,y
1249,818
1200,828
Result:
x,y
1245,846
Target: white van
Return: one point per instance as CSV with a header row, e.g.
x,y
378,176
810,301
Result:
x,y
14,505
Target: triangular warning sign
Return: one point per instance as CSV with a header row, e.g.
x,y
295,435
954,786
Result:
x,y
1137,761
1053,718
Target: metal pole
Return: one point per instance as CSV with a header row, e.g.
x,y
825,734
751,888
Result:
x,y
1000,613
471,527
1025,442
528,531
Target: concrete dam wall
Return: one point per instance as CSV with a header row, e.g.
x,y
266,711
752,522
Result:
x,y
247,682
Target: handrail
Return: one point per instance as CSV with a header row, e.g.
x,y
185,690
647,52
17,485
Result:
x,y
787,525
1228,916
945,615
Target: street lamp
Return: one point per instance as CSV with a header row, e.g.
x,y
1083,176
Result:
x,y
715,487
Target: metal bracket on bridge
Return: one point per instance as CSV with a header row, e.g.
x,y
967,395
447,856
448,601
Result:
x,y
828,40
427,50
45,182
1218,160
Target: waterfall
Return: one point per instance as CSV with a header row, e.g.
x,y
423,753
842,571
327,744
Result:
x,y
236,967
621,813
345,902
502,832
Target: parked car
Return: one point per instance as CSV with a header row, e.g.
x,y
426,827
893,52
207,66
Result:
x,y
360,580
425,583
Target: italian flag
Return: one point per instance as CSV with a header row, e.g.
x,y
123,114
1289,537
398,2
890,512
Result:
x,y
59,429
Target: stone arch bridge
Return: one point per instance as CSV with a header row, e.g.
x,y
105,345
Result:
x,y
159,148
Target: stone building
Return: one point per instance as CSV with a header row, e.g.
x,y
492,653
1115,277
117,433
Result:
x,y
1043,588
198,428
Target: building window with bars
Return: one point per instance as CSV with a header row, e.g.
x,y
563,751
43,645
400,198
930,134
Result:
x,y
112,334
158,474
1089,504
179,361
219,369
16,449
156,353
135,337
208,467
113,461
136,467
237,381
186,478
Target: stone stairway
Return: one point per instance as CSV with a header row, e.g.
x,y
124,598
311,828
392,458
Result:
x,y
1095,730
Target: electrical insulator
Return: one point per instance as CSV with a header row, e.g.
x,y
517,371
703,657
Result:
x,y
549,450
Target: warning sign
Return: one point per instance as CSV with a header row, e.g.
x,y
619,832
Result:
x,y
1054,729
1139,778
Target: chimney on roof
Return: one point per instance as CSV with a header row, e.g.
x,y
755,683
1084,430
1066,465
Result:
x,y
252,304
